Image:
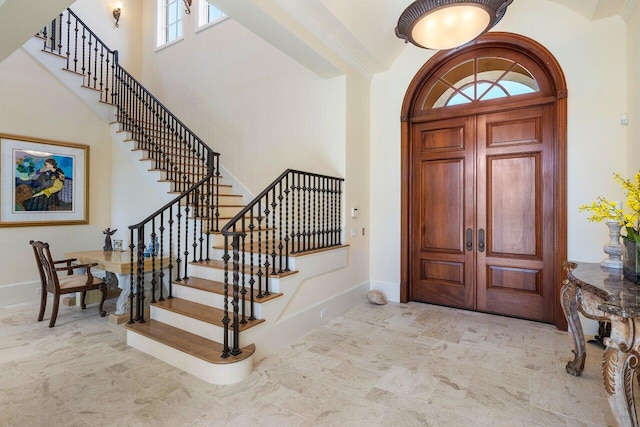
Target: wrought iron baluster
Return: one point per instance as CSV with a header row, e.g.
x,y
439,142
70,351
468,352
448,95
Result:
x,y
287,220
162,259
225,318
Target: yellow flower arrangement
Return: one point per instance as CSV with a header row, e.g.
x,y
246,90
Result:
x,y
605,210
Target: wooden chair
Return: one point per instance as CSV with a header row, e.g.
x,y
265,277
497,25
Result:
x,y
68,284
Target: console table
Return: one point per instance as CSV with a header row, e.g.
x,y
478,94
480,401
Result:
x,y
119,263
604,295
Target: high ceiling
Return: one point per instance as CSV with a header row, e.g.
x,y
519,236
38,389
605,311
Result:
x,y
353,27
327,36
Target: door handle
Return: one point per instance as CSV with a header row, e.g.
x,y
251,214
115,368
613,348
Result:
x,y
481,240
469,239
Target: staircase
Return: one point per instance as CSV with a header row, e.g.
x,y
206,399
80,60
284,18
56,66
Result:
x,y
223,271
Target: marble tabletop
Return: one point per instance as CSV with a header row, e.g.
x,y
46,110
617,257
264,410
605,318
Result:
x,y
621,296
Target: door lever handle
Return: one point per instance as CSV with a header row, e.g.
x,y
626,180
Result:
x,y
469,239
481,240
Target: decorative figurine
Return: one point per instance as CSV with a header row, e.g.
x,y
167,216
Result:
x,y
107,240
152,249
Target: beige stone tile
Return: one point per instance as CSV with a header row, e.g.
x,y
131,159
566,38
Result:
x,y
393,365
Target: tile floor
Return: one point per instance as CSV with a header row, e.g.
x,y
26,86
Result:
x,y
394,365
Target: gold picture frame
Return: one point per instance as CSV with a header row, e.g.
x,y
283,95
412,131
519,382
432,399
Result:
x,y
43,182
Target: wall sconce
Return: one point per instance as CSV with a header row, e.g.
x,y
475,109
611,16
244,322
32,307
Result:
x,y
116,13
187,4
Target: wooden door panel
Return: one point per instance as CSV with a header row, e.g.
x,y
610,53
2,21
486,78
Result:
x,y
441,211
515,274
442,190
513,215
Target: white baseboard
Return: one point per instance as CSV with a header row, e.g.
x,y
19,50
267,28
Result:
x,y
18,293
389,289
293,327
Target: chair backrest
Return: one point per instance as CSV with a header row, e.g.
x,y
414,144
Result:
x,y
46,267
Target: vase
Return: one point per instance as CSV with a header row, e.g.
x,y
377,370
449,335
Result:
x,y
631,268
614,248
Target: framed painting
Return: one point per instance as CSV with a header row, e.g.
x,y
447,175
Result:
x,y
43,182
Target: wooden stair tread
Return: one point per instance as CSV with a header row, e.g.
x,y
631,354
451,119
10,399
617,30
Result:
x,y
216,287
269,250
204,313
194,345
219,265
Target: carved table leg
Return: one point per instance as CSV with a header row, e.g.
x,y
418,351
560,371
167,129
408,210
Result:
x,y
569,300
122,304
619,370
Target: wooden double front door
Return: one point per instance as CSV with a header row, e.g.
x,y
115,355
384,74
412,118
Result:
x,y
481,212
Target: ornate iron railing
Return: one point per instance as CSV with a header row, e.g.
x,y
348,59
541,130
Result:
x,y
181,229
298,212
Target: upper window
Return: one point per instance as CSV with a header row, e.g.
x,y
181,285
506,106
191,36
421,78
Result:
x,y
480,79
169,21
209,14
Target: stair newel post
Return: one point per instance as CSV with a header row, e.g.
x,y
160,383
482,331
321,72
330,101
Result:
x,y
225,318
287,191
131,275
236,278
179,226
140,277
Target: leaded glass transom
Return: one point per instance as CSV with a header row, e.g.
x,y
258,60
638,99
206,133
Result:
x,y
480,79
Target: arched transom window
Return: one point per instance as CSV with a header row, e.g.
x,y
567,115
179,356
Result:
x,y
480,79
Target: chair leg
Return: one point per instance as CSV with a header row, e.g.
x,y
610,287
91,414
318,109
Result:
x,y
54,311
103,291
43,304
82,298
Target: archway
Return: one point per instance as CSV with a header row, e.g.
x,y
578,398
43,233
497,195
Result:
x,y
472,235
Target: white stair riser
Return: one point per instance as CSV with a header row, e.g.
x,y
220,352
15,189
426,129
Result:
x,y
198,327
209,298
218,275
220,374
258,259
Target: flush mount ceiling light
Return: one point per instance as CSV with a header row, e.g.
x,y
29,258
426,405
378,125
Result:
x,y
445,24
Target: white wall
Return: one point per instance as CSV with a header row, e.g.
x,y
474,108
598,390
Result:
x,y
247,100
633,59
593,57
265,112
35,104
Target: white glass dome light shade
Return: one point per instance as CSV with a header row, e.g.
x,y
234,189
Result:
x,y
450,26
446,24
